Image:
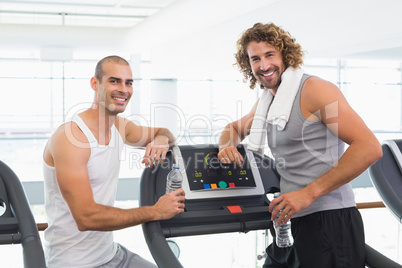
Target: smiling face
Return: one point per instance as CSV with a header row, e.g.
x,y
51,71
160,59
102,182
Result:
x,y
114,91
266,63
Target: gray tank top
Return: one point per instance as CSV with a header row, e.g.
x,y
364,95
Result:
x,y
304,150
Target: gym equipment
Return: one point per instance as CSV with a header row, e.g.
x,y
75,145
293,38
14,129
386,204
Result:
x,y
219,199
17,224
386,176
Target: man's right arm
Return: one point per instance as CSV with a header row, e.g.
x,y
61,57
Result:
x,y
232,135
70,156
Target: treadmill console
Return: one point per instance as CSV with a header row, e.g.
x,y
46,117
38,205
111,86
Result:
x,y
206,172
206,176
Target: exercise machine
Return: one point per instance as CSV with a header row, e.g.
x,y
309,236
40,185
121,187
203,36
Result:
x,y
17,224
219,199
386,176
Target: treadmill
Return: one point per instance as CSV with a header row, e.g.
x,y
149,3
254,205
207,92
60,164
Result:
x,y
17,224
386,176
220,198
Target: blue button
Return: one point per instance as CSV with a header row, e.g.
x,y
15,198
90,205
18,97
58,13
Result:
x,y
207,186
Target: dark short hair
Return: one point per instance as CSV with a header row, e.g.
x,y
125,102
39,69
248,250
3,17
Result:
x,y
99,73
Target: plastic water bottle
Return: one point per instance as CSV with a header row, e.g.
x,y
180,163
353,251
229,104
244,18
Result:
x,y
174,179
283,232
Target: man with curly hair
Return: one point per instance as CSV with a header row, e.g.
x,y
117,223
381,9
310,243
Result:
x,y
308,139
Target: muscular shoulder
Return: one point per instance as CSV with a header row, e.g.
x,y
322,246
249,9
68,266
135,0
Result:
x,y
317,94
67,141
70,134
315,87
129,131
121,122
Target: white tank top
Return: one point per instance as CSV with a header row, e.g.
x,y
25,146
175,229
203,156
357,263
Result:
x,y
65,245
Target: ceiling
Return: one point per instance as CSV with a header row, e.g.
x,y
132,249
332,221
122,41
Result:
x,y
194,33
107,13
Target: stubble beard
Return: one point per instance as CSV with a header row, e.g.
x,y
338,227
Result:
x,y
272,84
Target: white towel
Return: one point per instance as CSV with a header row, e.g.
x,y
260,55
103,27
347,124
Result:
x,y
279,113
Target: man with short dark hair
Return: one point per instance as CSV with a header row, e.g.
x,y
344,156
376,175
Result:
x,y
81,168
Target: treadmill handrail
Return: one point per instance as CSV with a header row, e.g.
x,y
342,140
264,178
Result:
x,y
375,259
395,151
153,233
30,240
383,186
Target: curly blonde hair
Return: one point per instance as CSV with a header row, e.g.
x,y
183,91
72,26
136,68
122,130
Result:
x,y
292,52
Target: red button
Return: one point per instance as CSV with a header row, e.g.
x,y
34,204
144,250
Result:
x,y
234,209
231,184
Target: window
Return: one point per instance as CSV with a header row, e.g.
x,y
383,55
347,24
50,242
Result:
x,y
36,97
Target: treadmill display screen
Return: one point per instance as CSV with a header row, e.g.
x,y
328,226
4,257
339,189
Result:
x,y
206,172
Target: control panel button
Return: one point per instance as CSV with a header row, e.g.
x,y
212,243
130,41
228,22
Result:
x,y
222,184
205,171
234,209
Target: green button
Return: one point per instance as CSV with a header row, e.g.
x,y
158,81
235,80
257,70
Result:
x,y
223,184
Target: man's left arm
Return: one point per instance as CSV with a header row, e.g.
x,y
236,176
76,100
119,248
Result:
x,y
156,141
363,150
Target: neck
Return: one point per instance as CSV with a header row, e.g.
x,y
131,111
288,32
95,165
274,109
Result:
x,y
103,116
100,121
273,91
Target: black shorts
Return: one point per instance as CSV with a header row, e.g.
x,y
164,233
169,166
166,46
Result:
x,y
327,239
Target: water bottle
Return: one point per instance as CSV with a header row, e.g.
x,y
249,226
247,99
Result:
x,y
283,232
174,179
